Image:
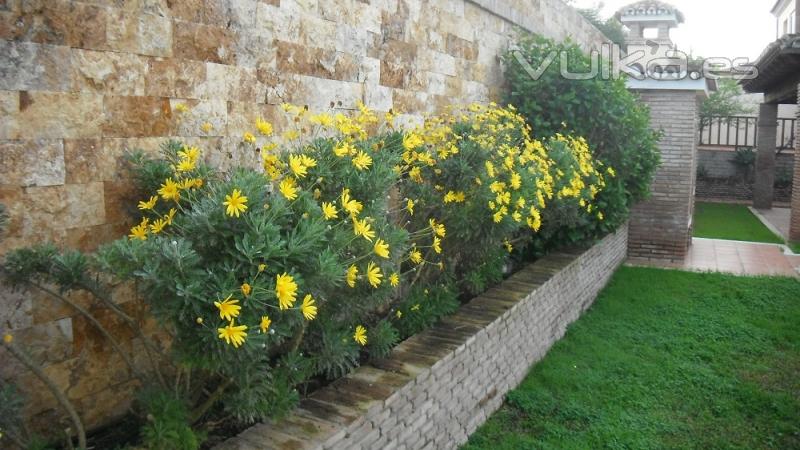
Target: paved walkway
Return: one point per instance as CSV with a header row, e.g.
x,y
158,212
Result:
x,y
740,258
776,219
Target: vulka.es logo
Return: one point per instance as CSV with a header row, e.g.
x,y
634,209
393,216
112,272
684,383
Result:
x,y
608,63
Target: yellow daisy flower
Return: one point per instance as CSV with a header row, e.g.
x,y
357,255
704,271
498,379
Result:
x,y
381,248
360,335
186,165
189,153
228,308
374,274
139,232
296,165
150,204
236,203
362,161
288,188
343,149
170,215
352,206
329,211
264,324
362,228
352,275
170,190
437,244
285,290
233,335
308,308
265,128
157,226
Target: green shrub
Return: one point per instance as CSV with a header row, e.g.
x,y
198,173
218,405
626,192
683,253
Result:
x,y
265,282
479,172
350,237
614,123
166,424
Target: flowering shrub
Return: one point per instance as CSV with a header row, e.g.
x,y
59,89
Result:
x,y
298,268
270,278
352,235
611,119
482,174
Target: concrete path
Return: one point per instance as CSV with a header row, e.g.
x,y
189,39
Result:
x,y
736,257
776,219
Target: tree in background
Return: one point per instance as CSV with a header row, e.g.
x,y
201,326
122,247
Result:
x,y
724,102
615,124
610,27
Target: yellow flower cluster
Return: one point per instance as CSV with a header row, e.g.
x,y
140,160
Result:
x,y
183,180
514,182
285,292
351,133
516,169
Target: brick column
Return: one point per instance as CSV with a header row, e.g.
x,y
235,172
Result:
x,y
660,227
797,18
765,160
794,229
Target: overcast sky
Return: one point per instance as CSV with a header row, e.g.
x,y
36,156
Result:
x,y
719,28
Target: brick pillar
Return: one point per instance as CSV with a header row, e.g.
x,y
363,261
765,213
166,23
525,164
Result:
x,y
794,228
797,19
660,227
765,160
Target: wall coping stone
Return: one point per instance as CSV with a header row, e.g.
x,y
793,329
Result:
x,y
534,22
403,399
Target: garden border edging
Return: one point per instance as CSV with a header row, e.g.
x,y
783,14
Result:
x,y
438,386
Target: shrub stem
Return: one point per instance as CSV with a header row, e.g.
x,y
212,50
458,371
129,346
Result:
x,y
60,397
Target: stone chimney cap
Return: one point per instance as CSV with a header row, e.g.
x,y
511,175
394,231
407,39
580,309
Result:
x,y
649,10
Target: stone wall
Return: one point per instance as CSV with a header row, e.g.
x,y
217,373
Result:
x,y
733,189
82,82
437,387
661,225
717,162
719,178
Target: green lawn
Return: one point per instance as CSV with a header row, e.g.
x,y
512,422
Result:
x,y
665,359
728,221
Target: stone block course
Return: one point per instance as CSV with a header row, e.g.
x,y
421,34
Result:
x,y
437,387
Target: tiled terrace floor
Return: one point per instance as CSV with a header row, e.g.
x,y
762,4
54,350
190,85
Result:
x,y
741,258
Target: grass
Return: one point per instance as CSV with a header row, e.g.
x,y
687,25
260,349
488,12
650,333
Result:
x,y
728,221
665,359
795,246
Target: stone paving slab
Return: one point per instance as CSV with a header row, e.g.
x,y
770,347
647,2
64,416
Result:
x,y
736,257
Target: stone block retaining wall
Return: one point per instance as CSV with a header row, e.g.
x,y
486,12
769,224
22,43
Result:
x,y
717,162
437,387
736,190
82,82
